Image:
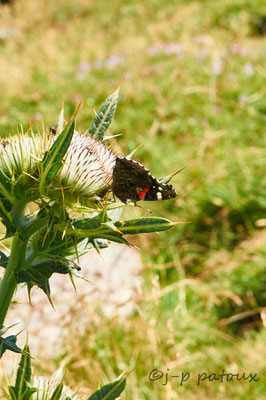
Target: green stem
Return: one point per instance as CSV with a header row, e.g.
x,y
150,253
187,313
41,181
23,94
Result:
x,y
18,217
9,282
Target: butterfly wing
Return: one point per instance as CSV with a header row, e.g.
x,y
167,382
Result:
x,y
132,181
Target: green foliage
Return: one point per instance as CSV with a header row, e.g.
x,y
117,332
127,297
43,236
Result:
x,y
104,117
50,241
9,343
22,390
58,392
52,159
111,391
202,107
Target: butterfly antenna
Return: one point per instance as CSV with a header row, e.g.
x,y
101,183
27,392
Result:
x,y
143,208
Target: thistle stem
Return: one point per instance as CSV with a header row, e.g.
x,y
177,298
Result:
x,y
9,281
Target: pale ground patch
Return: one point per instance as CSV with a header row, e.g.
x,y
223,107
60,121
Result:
x,y
115,281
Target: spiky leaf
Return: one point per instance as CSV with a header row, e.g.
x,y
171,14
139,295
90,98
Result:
x,y
22,389
9,343
104,117
3,260
6,218
143,225
111,391
40,274
58,392
5,186
52,160
93,228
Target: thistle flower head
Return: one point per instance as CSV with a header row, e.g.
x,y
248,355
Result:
x,y
67,167
86,170
47,386
88,166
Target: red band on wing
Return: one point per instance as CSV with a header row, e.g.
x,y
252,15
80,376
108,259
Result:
x,y
142,194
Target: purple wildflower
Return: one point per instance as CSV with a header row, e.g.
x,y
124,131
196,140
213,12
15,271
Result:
x,y
82,69
98,64
243,99
217,67
248,69
203,53
216,110
235,48
153,50
174,48
113,60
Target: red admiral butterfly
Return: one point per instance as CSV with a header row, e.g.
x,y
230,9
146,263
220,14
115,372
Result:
x,y
132,181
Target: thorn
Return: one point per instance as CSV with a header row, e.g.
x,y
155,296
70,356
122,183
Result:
x,y
2,133
87,280
29,296
11,326
73,283
65,229
96,248
22,330
129,156
77,110
181,223
45,236
110,137
167,178
32,177
50,301
121,83
135,247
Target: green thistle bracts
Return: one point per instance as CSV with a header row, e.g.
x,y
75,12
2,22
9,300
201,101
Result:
x,y
59,172
85,171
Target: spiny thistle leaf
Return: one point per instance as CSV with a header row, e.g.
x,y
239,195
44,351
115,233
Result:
x,y
3,260
6,218
5,186
95,229
143,225
22,389
24,369
111,391
58,392
104,117
52,160
9,343
6,202
36,278
39,274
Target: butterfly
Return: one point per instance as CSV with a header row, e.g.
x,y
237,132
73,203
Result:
x,y
132,181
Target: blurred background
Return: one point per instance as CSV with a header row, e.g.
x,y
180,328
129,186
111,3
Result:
x,y
193,96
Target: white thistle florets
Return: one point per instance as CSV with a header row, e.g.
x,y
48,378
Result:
x,y
46,388
87,166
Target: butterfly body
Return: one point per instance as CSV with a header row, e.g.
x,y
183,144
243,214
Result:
x,y
132,181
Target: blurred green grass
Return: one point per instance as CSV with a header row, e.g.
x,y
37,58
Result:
x,y
194,96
